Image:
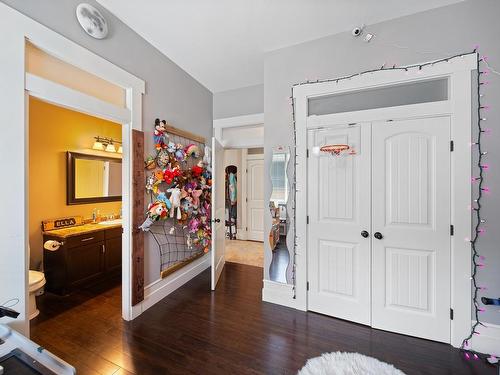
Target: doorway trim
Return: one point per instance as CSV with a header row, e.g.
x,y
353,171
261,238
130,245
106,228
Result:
x,y
243,123
14,144
458,107
255,122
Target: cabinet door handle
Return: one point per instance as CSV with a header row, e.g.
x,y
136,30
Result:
x,y
103,248
87,239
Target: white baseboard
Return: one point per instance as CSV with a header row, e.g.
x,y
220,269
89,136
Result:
x,y
159,289
488,340
279,293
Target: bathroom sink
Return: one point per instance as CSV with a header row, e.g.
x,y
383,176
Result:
x,y
111,222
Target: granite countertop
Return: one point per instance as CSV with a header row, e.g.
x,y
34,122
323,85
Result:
x,y
81,229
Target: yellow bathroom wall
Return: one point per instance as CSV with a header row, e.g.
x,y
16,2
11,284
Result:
x,y
53,131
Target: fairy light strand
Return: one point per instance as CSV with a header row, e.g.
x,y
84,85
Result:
x,y
478,230
477,260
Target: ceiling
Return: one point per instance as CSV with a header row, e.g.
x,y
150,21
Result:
x,y
222,43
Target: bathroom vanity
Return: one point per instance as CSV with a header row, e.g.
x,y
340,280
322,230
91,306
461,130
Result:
x,y
89,253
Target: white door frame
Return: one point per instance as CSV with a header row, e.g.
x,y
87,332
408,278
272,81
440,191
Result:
x,y
14,144
241,122
458,107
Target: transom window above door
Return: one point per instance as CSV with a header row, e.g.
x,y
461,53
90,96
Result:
x,y
426,91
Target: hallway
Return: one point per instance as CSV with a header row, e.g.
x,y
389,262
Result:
x,y
230,331
245,252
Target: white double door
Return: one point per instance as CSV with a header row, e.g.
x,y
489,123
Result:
x,y
379,226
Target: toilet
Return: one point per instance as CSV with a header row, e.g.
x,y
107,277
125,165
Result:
x,y
36,283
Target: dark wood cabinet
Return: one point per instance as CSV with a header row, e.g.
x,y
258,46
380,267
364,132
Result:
x,y
84,263
82,259
113,251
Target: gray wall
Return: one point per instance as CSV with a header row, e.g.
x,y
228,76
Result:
x,y
171,93
239,102
437,33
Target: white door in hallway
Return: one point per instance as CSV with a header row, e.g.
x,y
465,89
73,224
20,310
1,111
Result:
x,y
255,197
218,211
411,227
339,224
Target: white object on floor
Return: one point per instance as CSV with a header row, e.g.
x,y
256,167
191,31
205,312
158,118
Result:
x,y
36,283
14,341
339,363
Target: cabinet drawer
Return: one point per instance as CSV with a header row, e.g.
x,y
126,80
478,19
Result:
x,y
85,239
113,233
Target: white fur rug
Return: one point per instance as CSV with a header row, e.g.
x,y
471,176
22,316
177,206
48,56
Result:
x,y
340,363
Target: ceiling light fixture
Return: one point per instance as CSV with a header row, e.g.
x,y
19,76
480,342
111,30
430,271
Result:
x,y
92,21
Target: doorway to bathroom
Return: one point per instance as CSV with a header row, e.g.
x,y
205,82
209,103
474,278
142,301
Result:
x,y
78,191
75,212
75,81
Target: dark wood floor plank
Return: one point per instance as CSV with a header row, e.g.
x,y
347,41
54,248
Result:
x,y
230,331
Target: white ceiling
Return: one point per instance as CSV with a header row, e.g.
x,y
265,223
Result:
x,y
222,43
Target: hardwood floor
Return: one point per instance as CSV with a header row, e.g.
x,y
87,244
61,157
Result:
x,y
230,331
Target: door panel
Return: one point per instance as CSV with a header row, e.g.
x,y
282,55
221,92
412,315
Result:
x,y
339,210
409,181
411,211
255,199
218,211
113,255
85,263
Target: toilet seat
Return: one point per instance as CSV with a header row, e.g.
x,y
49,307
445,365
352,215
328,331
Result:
x,y
36,280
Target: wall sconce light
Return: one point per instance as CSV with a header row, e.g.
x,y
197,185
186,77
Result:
x,y
106,144
98,144
110,147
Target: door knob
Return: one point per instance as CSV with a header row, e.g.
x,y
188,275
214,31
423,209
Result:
x,y
365,234
216,220
378,235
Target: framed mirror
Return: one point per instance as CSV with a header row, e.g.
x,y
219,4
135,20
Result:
x,y
92,178
279,214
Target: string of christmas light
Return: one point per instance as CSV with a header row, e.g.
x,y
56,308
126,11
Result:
x,y
406,68
477,260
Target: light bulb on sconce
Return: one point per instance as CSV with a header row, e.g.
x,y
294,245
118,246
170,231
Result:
x,y
98,144
110,147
